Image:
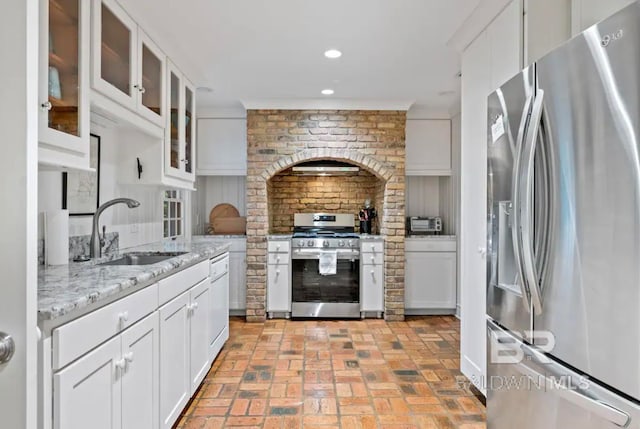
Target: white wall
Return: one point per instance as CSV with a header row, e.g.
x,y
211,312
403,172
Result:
x,y
213,190
136,226
456,142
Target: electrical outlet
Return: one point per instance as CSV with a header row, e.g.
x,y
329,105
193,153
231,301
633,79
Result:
x,y
134,228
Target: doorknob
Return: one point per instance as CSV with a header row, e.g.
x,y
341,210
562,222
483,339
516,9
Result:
x,y
7,347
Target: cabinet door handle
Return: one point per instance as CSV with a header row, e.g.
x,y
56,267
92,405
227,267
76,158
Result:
x,y
373,258
120,366
123,317
373,273
46,105
143,90
128,357
195,306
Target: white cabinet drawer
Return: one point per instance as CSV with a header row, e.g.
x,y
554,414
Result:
x,y
372,258
219,267
72,340
426,245
278,259
372,247
174,285
279,246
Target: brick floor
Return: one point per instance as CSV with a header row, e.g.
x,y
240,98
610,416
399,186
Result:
x,y
337,374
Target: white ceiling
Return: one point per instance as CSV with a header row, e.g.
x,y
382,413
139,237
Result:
x,y
271,51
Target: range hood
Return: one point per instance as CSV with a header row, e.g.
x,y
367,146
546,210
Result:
x,y
325,168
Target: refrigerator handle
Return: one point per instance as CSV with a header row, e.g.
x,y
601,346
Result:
x,y
515,201
569,393
526,197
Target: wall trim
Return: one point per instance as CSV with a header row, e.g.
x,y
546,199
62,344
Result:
x,y
325,104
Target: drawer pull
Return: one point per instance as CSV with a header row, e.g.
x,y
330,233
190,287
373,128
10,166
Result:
x,y
123,318
373,258
373,273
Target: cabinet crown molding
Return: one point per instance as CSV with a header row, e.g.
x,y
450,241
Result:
x,y
476,22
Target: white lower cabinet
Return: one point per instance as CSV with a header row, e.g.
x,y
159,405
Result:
x,y
200,313
143,363
430,280
114,386
278,288
184,349
278,277
372,276
175,388
219,320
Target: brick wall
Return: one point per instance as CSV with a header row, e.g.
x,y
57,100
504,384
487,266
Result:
x,y
289,194
279,139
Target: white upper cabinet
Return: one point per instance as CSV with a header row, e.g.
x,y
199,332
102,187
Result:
x,y
180,132
428,147
127,66
222,147
547,25
585,13
505,37
64,83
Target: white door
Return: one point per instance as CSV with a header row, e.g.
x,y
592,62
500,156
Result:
x,y
200,310
430,280
372,294
175,388
87,394
18,229
140,392
278,288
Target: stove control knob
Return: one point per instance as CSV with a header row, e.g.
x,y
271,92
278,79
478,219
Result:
x,y
310,243
325,243
301,243
341,243
350,243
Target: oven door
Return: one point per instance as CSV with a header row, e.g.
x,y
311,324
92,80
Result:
x,y
325,296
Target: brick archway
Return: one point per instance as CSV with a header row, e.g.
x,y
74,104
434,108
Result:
x,y
280,139
350,156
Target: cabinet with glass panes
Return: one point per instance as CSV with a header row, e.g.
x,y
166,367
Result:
x,y
64,88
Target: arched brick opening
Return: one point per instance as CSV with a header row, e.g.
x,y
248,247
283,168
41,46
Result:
x,y
373,141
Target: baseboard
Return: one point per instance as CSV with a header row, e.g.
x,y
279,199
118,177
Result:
x,y
429,312
475,375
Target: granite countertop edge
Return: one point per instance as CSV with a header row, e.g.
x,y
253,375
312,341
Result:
x,y
70,288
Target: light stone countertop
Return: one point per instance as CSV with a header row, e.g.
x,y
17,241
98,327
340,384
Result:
x,y
279,236
66,289
370,237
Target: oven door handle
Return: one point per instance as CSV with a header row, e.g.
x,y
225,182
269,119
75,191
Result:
x,y
315,254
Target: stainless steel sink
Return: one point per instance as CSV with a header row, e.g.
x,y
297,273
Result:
x,y
143,258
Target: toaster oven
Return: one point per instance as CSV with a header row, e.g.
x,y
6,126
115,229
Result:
x,y
424,225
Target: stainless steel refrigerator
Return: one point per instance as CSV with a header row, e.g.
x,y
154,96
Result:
x,y
563,213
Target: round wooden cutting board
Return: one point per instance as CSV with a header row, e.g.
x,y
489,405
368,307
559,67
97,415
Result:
x,y
223,210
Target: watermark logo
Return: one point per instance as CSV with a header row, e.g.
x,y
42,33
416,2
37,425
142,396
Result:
x,y
505,349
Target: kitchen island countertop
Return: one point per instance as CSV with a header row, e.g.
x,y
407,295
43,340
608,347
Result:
x,y
67,289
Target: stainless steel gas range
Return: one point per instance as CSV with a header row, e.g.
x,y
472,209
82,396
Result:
x,y
325,266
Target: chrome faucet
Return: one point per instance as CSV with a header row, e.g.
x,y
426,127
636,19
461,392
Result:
x,y
95,247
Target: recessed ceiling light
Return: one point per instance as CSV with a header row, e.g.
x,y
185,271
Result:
x,y
333,53
204,89
327,91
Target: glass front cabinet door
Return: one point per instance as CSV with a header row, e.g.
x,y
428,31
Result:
x,y
64,83
180,131
128,66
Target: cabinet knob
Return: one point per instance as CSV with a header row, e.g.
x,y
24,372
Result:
x,y
46,105
128,357
373,273
277,272
120,366
124,316
143,90
373,247
140,88
185,160
373,258
195,306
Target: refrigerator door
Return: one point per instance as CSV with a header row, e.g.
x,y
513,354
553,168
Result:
x,y
527,391
591,115
507,299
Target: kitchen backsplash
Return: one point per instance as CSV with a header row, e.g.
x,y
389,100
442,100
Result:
x,y
79,246
289,194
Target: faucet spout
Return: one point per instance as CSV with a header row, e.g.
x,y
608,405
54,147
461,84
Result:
x,y
95,249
